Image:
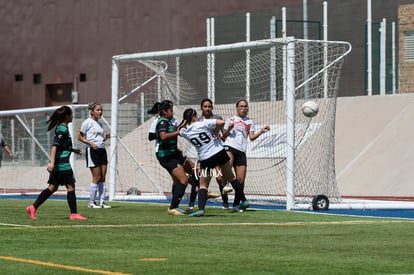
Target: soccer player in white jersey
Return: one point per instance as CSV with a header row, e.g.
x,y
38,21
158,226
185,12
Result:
x,y
206,106
93,135
237,130
211,153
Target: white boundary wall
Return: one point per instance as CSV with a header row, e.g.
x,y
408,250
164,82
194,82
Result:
x,y
375,146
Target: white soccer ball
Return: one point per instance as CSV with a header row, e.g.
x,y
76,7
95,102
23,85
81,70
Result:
x,y
310,108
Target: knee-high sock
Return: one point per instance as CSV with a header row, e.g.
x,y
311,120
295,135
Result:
x,y
194,189
101,191
92,192
225,198
238,189
43,196
202,198
178,193
71,197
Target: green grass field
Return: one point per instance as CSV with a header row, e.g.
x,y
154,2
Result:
x,y
135,238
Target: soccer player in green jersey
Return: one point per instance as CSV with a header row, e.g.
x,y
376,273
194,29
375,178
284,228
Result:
x,y
59,167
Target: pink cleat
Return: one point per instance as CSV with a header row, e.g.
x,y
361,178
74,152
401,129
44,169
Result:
x,y
31,211
76,216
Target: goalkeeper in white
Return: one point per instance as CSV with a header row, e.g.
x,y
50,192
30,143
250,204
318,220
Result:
x,y
211,153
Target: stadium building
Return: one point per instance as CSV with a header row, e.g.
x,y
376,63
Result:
x,y
50,48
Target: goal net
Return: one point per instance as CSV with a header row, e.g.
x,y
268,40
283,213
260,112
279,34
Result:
x,y
25,131
289,165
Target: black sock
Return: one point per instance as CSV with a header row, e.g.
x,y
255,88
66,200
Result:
x,y
202,199
238,189
225,198
179,191
43,196
195,180
71,197
193,193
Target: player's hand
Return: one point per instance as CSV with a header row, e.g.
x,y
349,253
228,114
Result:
x,y
77,151
265,129
50,167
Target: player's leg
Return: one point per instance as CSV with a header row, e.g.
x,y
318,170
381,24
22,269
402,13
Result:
x,y
102,187
93,187
193,169
224,189
43,196
194,190
71,198
202,196
180,183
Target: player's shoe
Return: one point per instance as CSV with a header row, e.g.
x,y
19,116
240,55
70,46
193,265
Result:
x,y
187,211
31,211
93,205
225,205
190,206
104,205
175,211
211,195
227,189
236,208
199,213
78,217
244,205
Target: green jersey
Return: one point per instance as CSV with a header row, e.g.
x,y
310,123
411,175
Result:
x,y
166,147
63,143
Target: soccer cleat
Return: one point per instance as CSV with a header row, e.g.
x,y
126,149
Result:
x,y
225,205
227,189
175,211
183,211
190,206
93,205
236,208
199,213
211,195
76,216
244,205
104,205
31,211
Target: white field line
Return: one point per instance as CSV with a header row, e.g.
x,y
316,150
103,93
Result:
x,y
277,224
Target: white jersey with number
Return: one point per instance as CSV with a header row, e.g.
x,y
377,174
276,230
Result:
x,y
218,133
94,132
200,134
237,138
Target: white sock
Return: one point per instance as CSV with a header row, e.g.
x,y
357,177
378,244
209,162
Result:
x,y
92,192
102,189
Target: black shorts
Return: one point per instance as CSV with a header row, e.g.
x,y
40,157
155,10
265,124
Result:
x,y
61,178
96,158
218,159
239,157
172,161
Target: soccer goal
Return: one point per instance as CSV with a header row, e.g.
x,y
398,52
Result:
x,y
292,164
25,131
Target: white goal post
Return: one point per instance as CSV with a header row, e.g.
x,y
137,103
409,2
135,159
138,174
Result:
x,y
290,165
